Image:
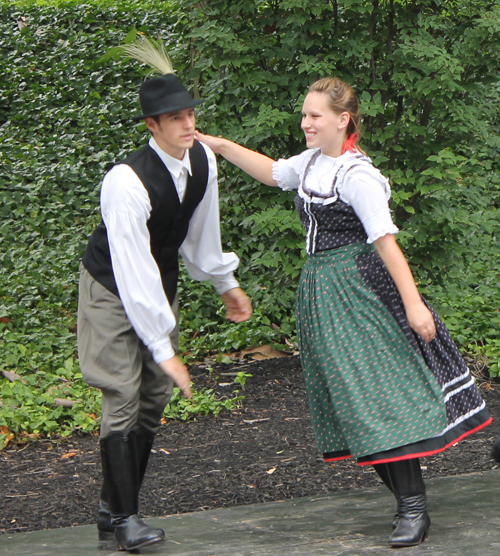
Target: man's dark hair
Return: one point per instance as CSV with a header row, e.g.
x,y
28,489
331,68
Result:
x,y
156,119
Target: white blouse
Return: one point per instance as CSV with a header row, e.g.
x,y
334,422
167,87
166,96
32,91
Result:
x,y
126,208
363,188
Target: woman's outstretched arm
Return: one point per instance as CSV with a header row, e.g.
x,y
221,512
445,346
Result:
x,y
254,164
419,316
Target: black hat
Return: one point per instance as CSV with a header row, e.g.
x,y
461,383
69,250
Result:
x,y
164,94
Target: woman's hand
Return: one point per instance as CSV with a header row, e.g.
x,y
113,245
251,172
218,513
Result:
x,y
421,321
417,313
215,143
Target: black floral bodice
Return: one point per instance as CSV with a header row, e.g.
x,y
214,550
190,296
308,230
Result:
x,y
329,226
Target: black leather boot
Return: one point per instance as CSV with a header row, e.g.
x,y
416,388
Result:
x,y
409,488
383,473
144,443
105,528
121,479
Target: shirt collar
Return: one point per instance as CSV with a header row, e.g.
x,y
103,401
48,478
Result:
x,y
174,165
336,159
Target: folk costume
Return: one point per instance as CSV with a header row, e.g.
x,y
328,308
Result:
x,y
154,207
377,391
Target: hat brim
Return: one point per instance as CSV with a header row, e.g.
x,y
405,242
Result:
x,y
181,105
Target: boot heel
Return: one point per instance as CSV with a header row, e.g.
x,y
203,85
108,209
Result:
x,y
407,484
106,536
132,533
413,526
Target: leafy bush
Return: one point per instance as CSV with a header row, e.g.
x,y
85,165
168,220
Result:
x,y
203,402
427,78
63,119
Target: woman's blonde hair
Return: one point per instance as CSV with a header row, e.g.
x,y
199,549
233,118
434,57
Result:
x,y
341,98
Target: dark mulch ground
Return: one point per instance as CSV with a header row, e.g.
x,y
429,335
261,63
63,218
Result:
x,y
263,452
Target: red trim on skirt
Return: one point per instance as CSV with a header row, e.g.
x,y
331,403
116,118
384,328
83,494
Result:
x,y
417,455
338,459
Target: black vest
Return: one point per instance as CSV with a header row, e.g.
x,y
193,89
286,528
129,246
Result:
x,y
168,223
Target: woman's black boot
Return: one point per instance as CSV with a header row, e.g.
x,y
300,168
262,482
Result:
x,y
144,443
383,473
121,479
409,488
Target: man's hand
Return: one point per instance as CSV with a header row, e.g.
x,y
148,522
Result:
x,y
238,305
176,370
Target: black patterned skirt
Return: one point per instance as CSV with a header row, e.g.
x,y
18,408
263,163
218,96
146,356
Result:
x,y
377,391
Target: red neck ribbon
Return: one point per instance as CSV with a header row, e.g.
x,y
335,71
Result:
x,y
350,143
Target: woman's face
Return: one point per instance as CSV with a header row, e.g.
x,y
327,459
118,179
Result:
x,y
323,128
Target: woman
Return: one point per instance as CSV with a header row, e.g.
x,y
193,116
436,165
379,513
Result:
x,y
385,381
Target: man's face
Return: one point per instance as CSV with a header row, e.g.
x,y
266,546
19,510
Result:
x,y
175,132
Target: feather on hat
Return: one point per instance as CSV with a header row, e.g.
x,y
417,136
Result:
x,y
159,95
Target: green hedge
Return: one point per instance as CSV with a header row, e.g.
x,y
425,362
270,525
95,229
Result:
x,y
63,119
427,75
427,81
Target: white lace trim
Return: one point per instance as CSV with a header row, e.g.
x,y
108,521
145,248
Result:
x,y
455,380
455,392
378,225
463,418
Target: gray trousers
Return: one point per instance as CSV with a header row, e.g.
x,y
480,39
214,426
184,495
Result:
x,y
112,358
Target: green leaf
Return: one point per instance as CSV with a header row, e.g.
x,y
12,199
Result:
x,y
130,37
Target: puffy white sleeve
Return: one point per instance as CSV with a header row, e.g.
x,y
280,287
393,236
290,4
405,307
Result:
x,y
368,192
126,208
287,172
202,248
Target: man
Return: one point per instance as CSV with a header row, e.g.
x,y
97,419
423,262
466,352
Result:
x,y
160,201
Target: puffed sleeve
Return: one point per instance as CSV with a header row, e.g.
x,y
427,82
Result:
x,y
287,172
202,249
368,192
126,208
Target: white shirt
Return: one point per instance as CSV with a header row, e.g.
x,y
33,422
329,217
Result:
x,y
126,209
364,188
